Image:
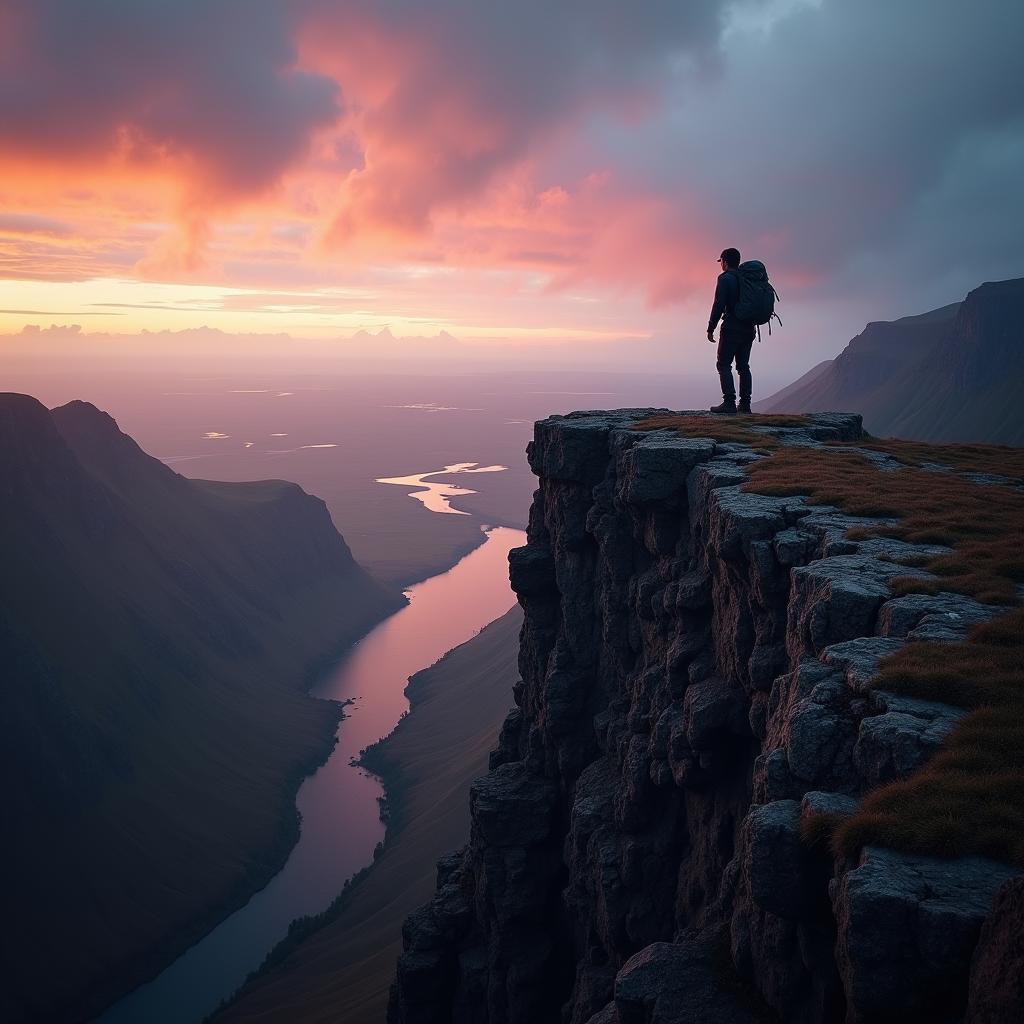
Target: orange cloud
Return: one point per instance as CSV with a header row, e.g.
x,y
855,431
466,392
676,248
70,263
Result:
x,y
170,139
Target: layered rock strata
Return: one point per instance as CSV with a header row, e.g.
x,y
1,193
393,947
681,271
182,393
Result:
x,y
694,662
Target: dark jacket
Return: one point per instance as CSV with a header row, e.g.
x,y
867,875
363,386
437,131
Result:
x,y
727,292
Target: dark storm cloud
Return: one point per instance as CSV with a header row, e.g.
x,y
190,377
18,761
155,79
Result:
x,y
210,84
879,139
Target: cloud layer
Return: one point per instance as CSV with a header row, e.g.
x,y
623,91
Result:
x,y
589,146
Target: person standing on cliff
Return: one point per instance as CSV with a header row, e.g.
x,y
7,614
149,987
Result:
x,y
735,338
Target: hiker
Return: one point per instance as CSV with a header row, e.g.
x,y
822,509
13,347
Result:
x,y
735,338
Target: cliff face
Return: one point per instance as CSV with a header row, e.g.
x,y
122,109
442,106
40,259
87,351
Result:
x,y
694,661
156,637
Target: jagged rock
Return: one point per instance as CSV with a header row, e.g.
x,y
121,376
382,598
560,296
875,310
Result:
x,y
859,658
609,1015
737,518
571,448
837,805
836,599
710,709
679,983
757,716
773,858
532,570
773,780
942,617
656,467
794,546
632,808
907,926
894,744
820,739
670,722
996,993
882,701
510,806
508,740
764,664
693,590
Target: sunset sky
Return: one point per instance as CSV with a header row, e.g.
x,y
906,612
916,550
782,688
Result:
x,y
507,172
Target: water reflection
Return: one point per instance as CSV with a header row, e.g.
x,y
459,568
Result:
x,y
436,496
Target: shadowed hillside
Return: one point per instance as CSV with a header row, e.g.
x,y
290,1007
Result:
x,y
949,375
156,634
339,966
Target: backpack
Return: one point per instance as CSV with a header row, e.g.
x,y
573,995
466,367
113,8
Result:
x,y
757,298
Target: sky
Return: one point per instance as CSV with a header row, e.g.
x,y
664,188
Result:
x,y
518,175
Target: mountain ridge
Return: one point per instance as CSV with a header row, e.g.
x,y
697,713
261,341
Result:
x,y
946,375
157,635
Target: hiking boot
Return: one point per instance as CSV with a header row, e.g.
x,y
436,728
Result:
x,y
727,408
744,407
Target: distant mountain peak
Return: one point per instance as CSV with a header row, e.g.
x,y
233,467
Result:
x,y
950,374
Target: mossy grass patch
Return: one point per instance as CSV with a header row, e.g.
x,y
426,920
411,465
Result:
x,y
1000,460
724,429
981,523
969,797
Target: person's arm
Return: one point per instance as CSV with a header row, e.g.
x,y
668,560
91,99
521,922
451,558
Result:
x,y
723,295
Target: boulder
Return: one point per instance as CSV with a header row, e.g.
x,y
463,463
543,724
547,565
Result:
x,y
907,927
681,983
836,599
656,467
511,806
894,744
773,858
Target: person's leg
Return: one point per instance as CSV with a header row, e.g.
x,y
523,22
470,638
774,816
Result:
x,y
743,370
726,354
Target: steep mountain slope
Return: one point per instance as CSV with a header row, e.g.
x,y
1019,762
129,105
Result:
x,y
947,375
155,637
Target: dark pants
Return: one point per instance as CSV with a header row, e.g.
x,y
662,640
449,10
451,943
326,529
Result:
x,y
735,345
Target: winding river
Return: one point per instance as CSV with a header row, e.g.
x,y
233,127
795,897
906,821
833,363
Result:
x,y
339,808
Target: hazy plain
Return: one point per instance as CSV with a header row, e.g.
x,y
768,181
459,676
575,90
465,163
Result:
x,y
337,435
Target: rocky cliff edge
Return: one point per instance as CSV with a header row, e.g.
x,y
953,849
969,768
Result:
x,y
694,662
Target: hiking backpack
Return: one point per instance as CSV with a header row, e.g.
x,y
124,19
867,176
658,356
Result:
x,y
757,298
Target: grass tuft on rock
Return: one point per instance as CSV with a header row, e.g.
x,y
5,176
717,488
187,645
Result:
x,y
724,429
969,797
997,459
981,523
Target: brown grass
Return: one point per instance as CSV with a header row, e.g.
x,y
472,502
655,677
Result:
x,y
725,429
969,798
969,458
980,522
